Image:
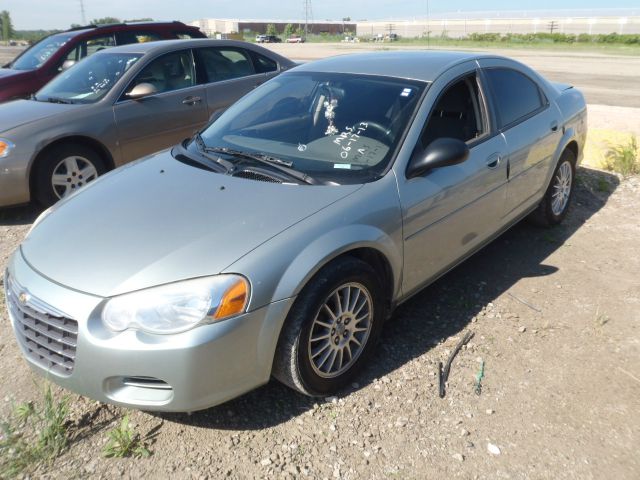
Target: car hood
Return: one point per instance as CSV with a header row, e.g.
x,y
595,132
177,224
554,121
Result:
x,y
158,221
20,112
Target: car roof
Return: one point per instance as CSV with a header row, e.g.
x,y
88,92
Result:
x,y
424,65
161,46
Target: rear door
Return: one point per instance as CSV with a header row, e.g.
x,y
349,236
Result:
x,y
530,125
229,73
164,119
450,211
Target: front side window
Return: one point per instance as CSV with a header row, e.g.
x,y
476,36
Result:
x,y
515,94
129,37
458,113
90,80
88,47
173,71
39,53
335,127
224,63
185,35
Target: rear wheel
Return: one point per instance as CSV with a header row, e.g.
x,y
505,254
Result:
x,y
63,170
557,199
331,329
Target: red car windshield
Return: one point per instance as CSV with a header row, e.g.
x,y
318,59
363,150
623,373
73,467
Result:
x,y
40,52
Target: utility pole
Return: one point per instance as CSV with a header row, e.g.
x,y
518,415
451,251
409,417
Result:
x,y
83,15
553,25
428,26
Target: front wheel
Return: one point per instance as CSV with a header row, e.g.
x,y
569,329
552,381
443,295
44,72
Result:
x,y
331,329
63,170
557,199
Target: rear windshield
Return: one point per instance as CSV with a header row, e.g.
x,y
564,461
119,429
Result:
x,y
39,53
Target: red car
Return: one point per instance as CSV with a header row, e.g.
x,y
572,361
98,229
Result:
x,y
34,67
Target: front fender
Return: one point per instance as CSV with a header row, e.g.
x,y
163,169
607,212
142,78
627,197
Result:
x,y
330,246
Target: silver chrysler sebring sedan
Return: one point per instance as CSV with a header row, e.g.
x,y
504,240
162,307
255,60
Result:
x,y
277,241
118,105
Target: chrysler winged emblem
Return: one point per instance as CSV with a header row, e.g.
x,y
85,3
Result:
x,y
23,297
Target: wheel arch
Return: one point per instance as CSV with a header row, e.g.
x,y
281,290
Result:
x,y
89,142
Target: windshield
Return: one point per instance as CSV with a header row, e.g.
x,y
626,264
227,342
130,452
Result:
x,y
40,52
335,127
89,80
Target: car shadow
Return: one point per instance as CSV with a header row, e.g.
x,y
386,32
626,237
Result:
x,y
21,215
438,312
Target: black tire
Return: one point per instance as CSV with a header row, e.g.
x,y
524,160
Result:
x,y
292,363
546,215
45,193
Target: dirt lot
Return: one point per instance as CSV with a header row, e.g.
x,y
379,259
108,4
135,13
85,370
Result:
x,y
556,321
560,398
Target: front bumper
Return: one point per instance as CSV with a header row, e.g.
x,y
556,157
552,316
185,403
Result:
x,y
14,181
184,372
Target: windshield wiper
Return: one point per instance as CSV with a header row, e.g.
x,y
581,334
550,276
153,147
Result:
x,y
60,100
204,151
276,163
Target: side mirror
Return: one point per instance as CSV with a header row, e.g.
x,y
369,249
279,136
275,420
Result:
x,y
67,64
141,90
442,152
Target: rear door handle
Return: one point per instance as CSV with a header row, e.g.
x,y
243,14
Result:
x,y
554,126
494,161
191,100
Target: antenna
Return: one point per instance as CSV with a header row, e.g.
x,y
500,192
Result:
x,y
308,13
83,15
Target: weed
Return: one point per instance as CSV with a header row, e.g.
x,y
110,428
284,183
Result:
x,y
36,434
125,442
624,159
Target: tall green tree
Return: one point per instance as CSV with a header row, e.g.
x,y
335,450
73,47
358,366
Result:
x,y
105,20
271,29
6,26
288,30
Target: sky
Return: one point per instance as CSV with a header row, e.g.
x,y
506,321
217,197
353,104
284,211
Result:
x,y
49,14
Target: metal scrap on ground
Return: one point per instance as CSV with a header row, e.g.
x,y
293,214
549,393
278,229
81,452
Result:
x,y
444,373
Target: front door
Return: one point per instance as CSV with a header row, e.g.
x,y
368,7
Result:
x,y
450,211
173,113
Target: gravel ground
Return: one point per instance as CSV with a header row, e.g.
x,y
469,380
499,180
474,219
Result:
x,y
560,398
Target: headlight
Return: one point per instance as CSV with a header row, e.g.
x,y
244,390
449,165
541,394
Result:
x,y
178,307
5,147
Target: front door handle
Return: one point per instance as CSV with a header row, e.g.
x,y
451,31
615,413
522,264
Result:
x,y
494,161
191,100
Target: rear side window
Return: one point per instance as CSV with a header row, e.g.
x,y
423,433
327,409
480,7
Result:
x,y
263,64
515,94
129,37
224,63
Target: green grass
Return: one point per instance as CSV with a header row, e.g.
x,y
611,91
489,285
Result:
x,y
125,442
36,434
624,159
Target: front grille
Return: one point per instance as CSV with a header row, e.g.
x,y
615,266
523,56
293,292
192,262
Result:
x,y
259,177
46,336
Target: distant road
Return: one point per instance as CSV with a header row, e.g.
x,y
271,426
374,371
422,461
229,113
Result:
x,y
604,79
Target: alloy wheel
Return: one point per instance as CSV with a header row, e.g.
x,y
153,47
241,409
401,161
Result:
x,y
340,330
71,173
